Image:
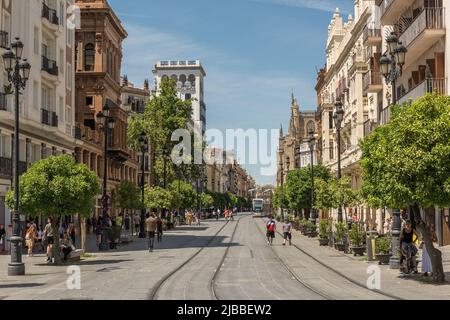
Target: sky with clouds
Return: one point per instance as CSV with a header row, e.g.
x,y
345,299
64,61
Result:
x,y
255,52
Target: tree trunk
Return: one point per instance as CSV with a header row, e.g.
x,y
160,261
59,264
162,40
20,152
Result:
x,y
83,234
435,255
56,251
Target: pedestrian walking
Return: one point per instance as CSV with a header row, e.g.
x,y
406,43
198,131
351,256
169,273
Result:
x,y
30,238
198,217
49,238
137,223
271,228
159,228
287,232
151,226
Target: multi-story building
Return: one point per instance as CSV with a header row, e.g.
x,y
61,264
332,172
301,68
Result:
x,y
189,77
135,100
294,149
352,75
98,83
423,28
214,169
47,105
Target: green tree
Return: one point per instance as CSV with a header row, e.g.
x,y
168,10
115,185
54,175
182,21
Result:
x,y
280,199
325,194
158,198
407,163
56,187
298,186
127,196
183,194
207,200
164,114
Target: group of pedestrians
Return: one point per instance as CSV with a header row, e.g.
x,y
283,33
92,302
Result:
x,y
271,227
47,238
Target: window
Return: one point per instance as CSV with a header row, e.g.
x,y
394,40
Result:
x,y
36,40
90,102
89,57
188,96
68,114
62,12
331,150
331,120
69,80
61,59
61,108
35,94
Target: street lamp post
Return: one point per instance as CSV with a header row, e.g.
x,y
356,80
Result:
x,y
338,117
18,70
105,123
391,68
312,144
143,143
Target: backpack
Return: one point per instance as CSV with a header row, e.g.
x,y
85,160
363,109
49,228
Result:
x,y
271,226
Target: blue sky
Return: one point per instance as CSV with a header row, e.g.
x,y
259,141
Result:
x,y
255,52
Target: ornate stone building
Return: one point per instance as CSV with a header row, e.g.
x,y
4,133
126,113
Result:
x,y
98,64
294,150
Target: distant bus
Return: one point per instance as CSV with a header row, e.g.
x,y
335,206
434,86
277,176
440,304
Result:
x,y
258,205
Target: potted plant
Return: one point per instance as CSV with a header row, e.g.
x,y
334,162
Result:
x,y
311,229
323,232
341,229
114,236
303,226
384,248
357,236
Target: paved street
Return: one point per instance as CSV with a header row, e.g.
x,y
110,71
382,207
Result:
x,y
216,260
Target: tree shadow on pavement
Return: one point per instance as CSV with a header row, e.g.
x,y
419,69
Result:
x,y
20,285
425,280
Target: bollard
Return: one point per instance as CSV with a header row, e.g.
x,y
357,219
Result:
x,y
372,245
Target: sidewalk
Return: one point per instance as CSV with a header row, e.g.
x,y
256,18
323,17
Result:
x,y
127,273
392,282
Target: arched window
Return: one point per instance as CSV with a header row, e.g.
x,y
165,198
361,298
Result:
x,y
89,57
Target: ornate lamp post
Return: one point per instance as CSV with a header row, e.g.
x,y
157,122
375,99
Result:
x,y
312,145
18,71
392,65
105,123
391,68
143,142
338,117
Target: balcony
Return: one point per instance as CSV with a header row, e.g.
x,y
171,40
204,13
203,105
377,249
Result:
x,y
6,166
369,126
49,118
50,14
49,66
3,102
385,116
372,36
4,39
427,86
423,32
372,82
391,10
87,134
